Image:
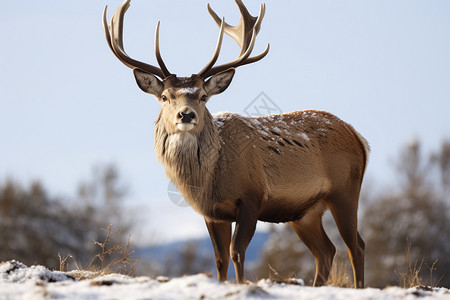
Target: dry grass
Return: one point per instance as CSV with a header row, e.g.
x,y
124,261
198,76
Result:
x,y
64,262
411,277
112,258
431,269
274,276
341,273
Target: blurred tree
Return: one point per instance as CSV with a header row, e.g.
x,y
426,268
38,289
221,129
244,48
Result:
x,y
416,211
100,199
35,227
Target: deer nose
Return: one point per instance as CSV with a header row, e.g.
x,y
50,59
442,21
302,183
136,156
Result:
x,y
186,117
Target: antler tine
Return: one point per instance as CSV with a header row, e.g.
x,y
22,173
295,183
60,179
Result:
x,y
255,58
161,63
215,16
114,38
244,34
216,52
240,61
244,28
241,32
106,30
262,13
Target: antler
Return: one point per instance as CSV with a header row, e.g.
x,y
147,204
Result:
x,y
244,34
114,33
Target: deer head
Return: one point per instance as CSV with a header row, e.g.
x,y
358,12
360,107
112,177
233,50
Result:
x,y
183,99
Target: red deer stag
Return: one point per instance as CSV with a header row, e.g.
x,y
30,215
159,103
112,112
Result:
x,y
231,168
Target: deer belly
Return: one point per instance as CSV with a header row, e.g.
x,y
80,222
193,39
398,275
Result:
x,y
291,202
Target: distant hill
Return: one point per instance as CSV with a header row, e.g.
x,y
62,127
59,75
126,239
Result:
x,y
173,251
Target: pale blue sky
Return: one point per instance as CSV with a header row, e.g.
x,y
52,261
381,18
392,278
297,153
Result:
x,y
66,103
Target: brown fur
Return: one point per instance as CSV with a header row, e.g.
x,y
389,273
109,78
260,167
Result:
x,y
282,158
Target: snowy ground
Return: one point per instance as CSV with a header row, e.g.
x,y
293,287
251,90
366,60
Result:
x,y
18,281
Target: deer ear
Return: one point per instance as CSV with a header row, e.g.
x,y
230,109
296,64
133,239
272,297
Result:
x,y
148,82
219,82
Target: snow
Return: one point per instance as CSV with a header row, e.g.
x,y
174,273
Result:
x,y
18,281
189,90
286,124
304,136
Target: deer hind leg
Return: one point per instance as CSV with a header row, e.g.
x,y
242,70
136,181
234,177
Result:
x,y
220,233
345,211
311,232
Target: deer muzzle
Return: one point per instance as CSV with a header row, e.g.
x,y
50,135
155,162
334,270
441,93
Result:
x,y
186,119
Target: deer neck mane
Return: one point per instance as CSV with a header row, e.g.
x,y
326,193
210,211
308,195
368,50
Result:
x,y
189,159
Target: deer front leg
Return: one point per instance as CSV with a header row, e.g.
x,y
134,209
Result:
x,y
220,233
247,216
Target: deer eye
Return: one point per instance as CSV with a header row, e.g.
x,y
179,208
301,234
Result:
x,y
204,98
164,98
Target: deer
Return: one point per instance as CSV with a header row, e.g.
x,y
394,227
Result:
x,y
231,168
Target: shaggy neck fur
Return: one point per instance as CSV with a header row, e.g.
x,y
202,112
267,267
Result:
x,y
189,160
